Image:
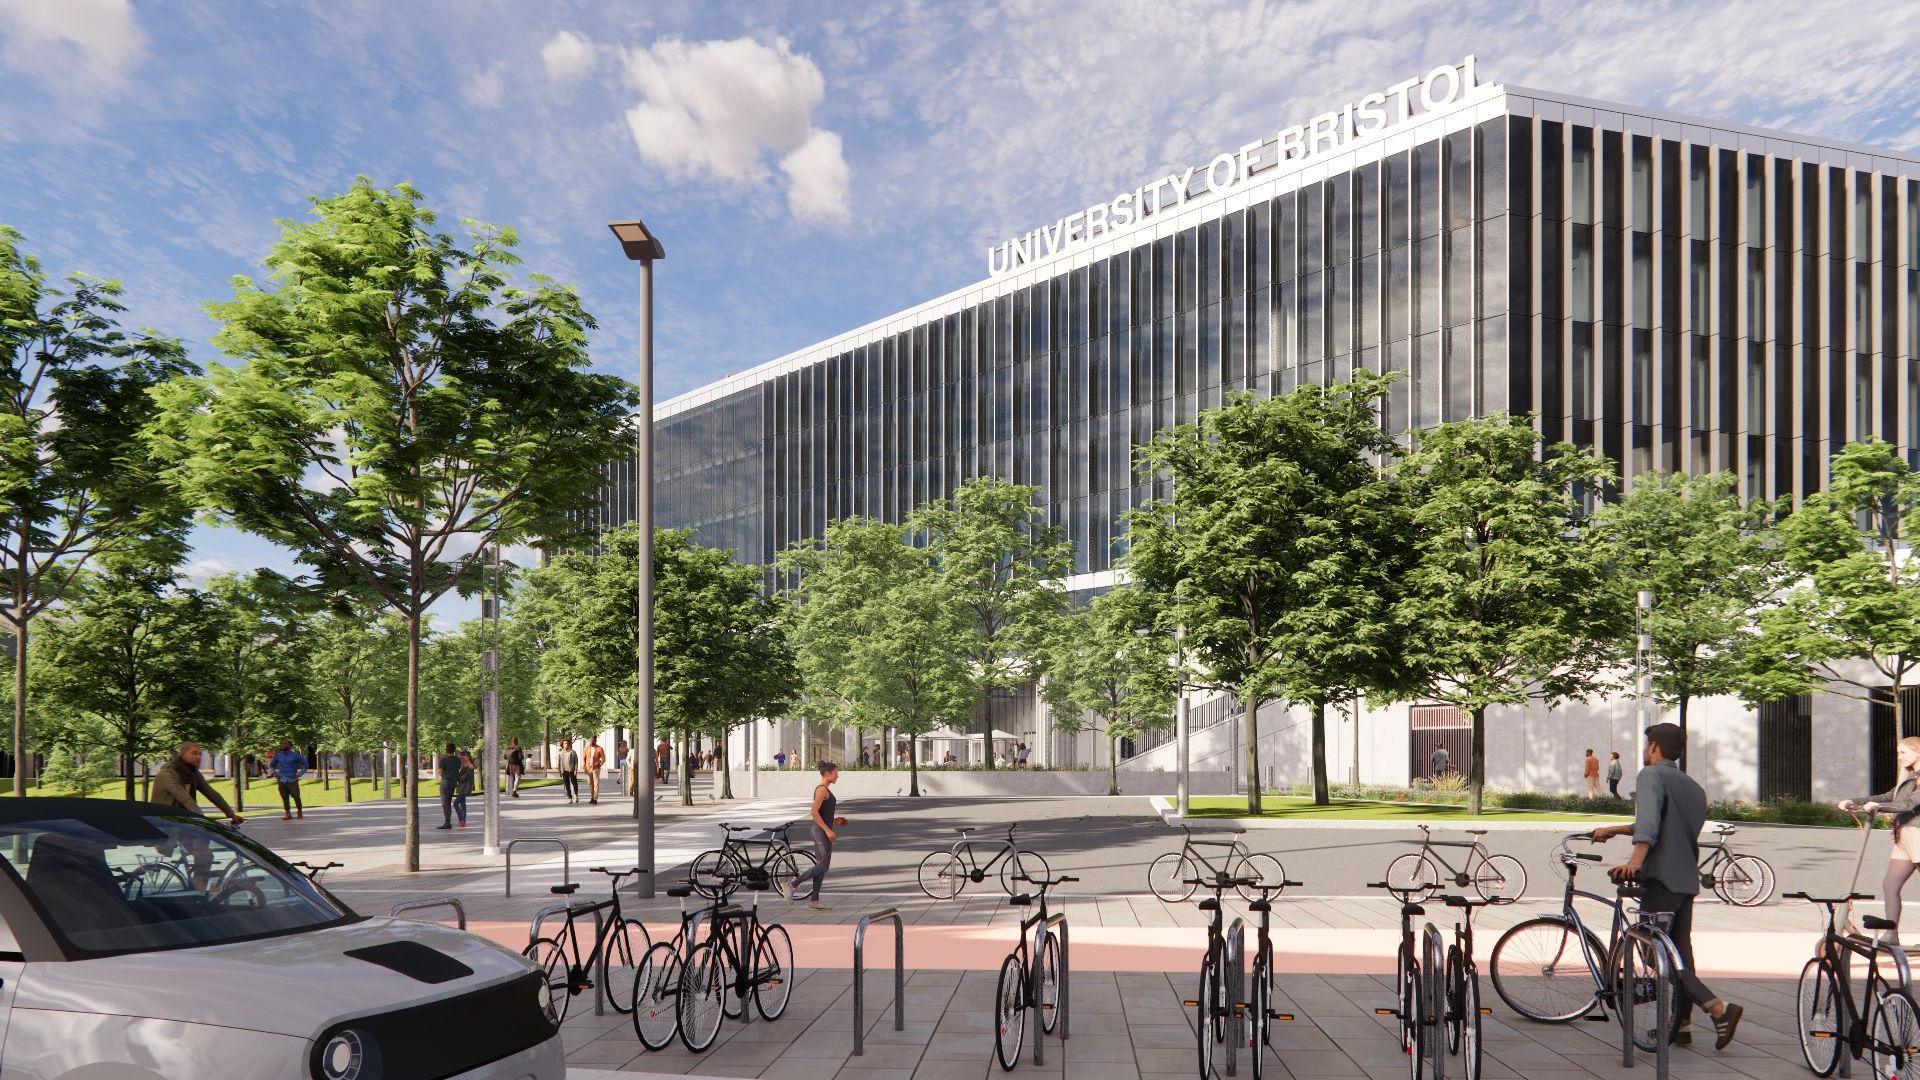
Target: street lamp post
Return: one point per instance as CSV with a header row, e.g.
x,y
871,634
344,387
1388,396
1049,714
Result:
x,y
641,246
490,675
1642,668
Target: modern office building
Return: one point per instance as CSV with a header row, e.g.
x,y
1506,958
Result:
x,y
1682,293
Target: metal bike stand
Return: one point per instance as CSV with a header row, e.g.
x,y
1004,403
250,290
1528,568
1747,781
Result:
x,y
459,909
1236,990
566,856
1058,919
860,970
600,976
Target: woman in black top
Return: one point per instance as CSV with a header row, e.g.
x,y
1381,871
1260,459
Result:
x,y
1903,802
824,822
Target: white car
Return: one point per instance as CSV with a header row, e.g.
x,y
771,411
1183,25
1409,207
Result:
x,y
137,943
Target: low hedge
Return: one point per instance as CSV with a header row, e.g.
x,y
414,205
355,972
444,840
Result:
x,y
1772,812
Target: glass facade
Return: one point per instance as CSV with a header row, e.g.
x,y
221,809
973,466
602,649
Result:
x,y
1678,304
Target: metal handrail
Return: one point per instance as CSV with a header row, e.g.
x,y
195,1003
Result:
x,y
1668,959
1057,919
859,975
1236,992
459,909
566,856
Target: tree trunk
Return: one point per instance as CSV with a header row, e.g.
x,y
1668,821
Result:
x,y
720,769
1685,749
129,783
986,726
411,780
349,777
913,768
1320,796
1252,729
146,781
326,778
237,762
1113,764
686,769
19,697
1477,768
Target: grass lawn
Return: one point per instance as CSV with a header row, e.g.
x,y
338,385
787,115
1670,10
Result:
x,y
1301,808
263,795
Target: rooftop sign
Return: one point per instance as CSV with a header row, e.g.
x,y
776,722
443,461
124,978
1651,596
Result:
x,y
1326,132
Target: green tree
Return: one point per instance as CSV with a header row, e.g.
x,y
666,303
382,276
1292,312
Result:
x,y
128,667
1706,555
76,482
258,645
396,399
1508,601
1851,623
354,658
1114,661
1276,552
1001,563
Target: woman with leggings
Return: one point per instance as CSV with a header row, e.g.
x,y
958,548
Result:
x,y
823,821
1903,802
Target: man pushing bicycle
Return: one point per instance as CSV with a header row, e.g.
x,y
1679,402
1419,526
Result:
x,y
1669,809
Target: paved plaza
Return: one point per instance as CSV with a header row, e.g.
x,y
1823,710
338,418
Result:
x,y
1133,957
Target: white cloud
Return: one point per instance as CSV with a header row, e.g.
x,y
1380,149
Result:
x,y
198,572
567,57
486,89
718,109
72,44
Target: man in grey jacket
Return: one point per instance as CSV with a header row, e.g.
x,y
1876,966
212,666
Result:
x,y
1669,809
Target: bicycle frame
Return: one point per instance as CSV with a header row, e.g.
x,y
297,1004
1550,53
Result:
x,y
976,870
1236,849
1618,926
1843,951
1463,873
776,844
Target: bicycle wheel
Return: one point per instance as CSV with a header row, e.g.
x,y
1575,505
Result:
x,y
1817,1013
1541,972
1434,1002
1050,982
1020,865
942,874
787,868
1262,868
154,878
1413,877
1204,1022
711,870
1469,1048
1010,1012
704,982
1746,882
1259,1010
1896,1037
551,958
1456,997
620,968
240,894
773,972
1643,993
1168,875
656,990
1411,1016
1500,879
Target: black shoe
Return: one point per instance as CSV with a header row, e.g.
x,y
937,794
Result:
x,y
443,826
1682,1037
1724,1026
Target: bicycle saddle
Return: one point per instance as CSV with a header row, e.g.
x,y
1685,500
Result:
x,y
963,832
736,828
1020,900
1412,910
1875,922
1475,832
1723,829
680,892
1260,905
1211,903
568,889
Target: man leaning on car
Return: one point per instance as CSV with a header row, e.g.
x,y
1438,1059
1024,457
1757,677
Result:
x,y
176,785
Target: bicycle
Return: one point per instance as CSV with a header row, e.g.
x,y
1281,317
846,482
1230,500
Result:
x,y
1167,874
1420,1007
776,856
656,987
740,958
1538,964
944,873
1414,875
1258,1008
1028,979
1884,1025
611,958
1740,880
1463,1011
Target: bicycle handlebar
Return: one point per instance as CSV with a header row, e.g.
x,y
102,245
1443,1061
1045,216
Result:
x,y
1850,897
1222,882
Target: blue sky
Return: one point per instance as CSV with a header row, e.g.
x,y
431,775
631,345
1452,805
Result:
x,y
809,166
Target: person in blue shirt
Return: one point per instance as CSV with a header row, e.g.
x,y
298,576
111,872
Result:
x,y
288,766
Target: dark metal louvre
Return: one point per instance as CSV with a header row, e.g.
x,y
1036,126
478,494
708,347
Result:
x,y
1786,749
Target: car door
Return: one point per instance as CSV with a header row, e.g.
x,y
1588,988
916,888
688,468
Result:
x,y
12,968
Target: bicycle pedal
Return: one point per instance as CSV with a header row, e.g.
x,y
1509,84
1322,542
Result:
x,y
1484,1011
1598,1018
1280,1016
1047,1008
1386,1012
1191,1004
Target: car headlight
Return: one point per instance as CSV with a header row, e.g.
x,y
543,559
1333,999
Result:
x,y
349,1054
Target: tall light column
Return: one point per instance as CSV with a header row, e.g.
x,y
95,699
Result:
x,y
1642,666
641,246
490,750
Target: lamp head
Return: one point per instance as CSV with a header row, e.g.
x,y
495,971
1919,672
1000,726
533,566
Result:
x,y
637,241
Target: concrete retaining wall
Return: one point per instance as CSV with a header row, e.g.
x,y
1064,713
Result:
x,y
1003,783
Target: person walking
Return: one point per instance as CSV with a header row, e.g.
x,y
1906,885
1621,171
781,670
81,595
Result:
x,y
463,786
569,761
449,767
1614,773
779,759
516,764
825,821
1669,810
178,785
1590,769
620,760
1903,802
1439,761
288,766
662,761
596,759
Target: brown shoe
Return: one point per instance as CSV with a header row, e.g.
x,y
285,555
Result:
x,y
301,813
286,817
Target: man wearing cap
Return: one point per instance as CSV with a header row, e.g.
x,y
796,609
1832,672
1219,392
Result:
x,y
1669,809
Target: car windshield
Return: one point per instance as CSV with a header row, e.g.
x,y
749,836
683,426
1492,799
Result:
x,y
126,883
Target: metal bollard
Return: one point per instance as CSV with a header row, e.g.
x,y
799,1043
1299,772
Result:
x,y
459,909
566,856
1236,991
859,976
